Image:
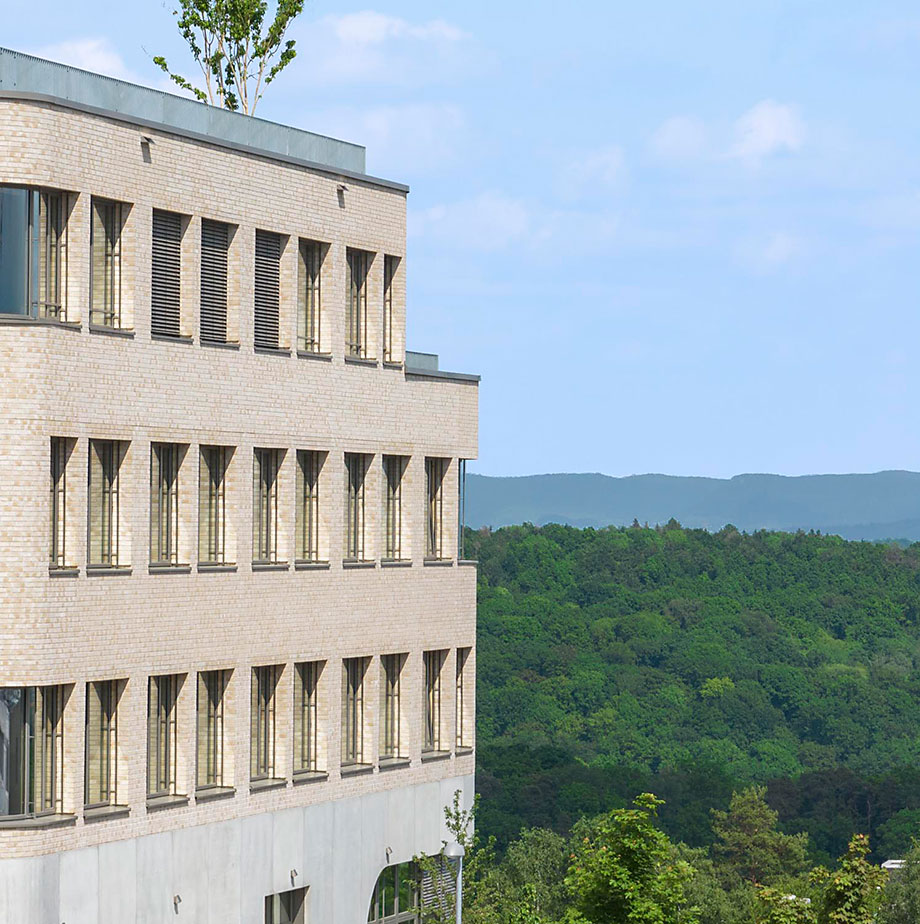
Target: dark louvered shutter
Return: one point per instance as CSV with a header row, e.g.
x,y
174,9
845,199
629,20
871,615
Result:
x,y
267,289
215,242
166,281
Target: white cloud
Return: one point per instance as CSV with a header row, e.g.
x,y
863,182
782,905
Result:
x,y
766,129
597,171
399,138
680,138
374,48
90,54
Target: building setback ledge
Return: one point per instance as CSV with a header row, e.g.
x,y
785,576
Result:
x,y
438,374
356,769
434,755
214,792
468,563
101,812
38,822
163,802
309,776
262,785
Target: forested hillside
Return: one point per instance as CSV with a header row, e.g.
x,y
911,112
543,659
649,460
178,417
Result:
x,y
690,664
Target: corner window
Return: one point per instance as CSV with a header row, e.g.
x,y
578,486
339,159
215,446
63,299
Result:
x,y
33,252
31,750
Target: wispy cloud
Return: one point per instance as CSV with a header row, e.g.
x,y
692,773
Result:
x,y
91,54
374,48
601,170
766,129
492,220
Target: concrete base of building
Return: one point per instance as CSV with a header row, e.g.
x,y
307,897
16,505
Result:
x,y
221,873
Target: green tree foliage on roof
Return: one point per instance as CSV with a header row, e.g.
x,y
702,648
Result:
x,y
238,46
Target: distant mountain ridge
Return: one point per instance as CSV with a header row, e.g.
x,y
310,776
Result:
x,y
881,505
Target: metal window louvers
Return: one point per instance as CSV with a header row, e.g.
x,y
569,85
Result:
x,y
166,274
215,245
267,289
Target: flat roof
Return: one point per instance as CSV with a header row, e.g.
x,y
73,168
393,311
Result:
x,y
24,76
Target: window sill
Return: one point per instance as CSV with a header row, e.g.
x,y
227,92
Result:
x,y
126,333
24,320
271,566
272,351
350,563
214,792
163,802
309,354
107,570
221,345
463,751
308,565
468,562
438,563
173,338
310,776
361,360
63,571
101,812
157,568
356,769
434,755
216,567
262,785
393,763
38,821
392,364
395,562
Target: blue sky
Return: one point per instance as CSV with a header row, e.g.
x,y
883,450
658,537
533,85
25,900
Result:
x,y
673,236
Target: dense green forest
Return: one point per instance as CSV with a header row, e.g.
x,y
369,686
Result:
x,y
692,664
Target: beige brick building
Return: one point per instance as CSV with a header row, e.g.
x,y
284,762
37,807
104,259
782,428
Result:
x,y
237,631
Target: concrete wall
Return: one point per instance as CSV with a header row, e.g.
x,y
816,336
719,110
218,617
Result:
x,y
223,871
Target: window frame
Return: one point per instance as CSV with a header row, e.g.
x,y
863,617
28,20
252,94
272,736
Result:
x,y
108,216
107,694
162,735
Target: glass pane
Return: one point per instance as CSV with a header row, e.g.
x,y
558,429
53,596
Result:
x,y
14,247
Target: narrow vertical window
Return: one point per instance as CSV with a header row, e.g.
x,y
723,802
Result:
x,y
215,248
356,476
61,448
358,265
262,723
212,687
212,504
394,468
32,752
306,725
166,274
309,464
106,264
162,735
433,662
461,511
101,765
165,461
266,468
353,671
308,296
435,470
390,265
391,708
105,459
463,705
268,290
